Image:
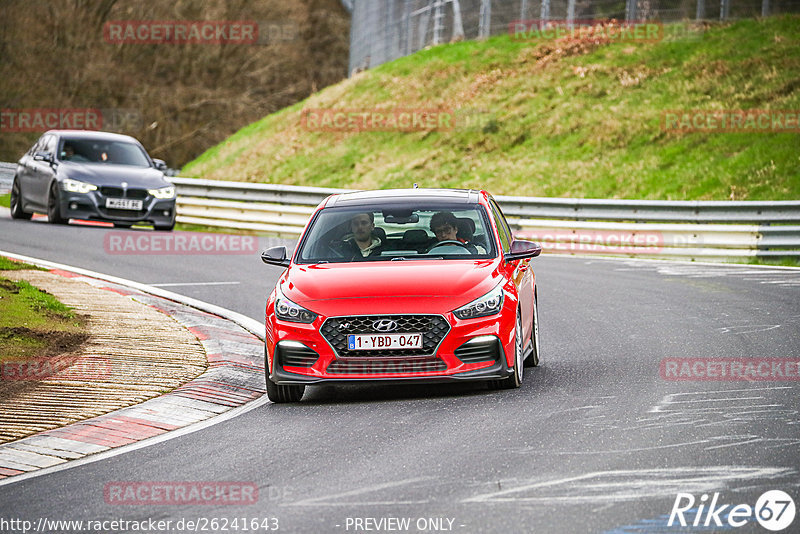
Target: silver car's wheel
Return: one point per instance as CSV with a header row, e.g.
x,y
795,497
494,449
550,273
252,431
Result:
x,y
16,202
54,206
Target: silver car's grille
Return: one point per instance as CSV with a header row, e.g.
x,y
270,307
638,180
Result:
x,y
432,327
118,192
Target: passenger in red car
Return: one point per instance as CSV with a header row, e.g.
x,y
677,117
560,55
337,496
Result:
x,y
363,242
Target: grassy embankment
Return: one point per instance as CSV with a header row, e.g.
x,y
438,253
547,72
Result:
x,y
540,118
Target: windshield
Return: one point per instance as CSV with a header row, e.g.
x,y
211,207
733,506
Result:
x,y
103,152
340,235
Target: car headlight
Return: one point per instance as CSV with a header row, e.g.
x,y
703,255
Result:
x,y
74,186
164,192
489,304
286,310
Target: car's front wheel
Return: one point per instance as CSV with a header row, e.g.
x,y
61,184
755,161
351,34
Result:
x,y
280,393
533,358
16,202
54,206
515,380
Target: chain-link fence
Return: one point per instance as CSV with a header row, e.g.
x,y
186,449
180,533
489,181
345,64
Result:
x,y
382,30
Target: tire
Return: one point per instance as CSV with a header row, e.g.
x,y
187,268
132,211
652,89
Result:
x,y
515,380
16,203
533,359
54,206
281,394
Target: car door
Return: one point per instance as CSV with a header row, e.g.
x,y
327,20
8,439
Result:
x,y
42,172
25,170
520,272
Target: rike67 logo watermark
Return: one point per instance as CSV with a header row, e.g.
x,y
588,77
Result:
x,y
774,510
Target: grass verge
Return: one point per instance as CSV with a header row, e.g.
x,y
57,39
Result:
x,y
34,324
7,264
554,119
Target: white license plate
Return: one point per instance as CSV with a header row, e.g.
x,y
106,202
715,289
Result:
x,y
124,204
384,341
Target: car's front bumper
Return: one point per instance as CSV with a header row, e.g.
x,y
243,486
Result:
x,y
91,206
497,371
300,354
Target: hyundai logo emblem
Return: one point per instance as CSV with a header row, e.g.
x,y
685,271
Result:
x,y
384,325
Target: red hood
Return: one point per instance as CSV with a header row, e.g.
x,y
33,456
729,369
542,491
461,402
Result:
x,y
389,287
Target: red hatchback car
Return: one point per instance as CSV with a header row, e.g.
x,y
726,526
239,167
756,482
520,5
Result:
x,y
418,285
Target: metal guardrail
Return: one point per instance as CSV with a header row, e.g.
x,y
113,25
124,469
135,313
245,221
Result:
x,y
693,229
7,171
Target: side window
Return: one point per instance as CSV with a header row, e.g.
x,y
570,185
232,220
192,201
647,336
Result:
x,y
502,227
50,145
37,146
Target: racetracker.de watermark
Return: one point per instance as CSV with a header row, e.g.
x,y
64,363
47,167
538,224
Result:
x,y
180,493
732,121
56,368
614,31
730,369
596,241
214,32
378,120
186,243
43,119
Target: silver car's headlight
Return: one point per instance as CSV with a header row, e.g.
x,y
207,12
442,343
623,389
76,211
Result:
x,y
164,192
74,186
489,304
286,310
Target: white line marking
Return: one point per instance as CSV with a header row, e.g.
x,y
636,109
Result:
x,y
712,400
637,484
179,284
317,501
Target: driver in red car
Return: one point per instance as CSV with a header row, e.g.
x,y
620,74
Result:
x,y
444,225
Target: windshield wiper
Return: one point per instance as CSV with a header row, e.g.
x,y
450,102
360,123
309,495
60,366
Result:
x,y
416,257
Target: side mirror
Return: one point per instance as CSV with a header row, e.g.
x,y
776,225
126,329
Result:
x,y
523,249
43,156
160,164
275,256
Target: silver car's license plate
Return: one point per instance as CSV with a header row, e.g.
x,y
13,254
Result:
x,y
124,204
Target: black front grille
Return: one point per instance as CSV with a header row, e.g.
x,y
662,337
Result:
x,y
112,191
296,356
118,192
380,366
432,327
123,213
479,351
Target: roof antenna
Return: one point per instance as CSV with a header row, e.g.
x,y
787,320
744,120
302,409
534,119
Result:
x,y
416,186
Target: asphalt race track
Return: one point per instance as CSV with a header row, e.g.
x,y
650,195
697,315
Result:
x,y
596,440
